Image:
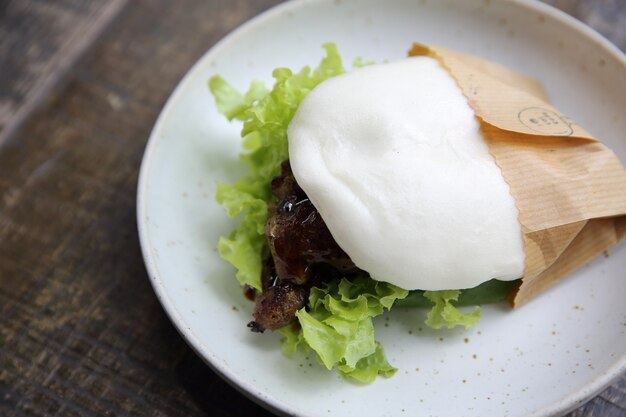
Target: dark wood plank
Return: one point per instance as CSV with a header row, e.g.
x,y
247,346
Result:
x,y
81,332
39,41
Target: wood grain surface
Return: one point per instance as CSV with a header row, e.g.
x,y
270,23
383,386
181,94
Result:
x,y
81,331
39,42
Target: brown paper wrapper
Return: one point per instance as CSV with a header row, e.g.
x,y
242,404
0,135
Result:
x,y
569,188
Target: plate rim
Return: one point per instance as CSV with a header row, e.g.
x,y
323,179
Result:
x,y
272,403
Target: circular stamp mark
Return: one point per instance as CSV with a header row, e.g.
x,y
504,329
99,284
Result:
x,y
545,121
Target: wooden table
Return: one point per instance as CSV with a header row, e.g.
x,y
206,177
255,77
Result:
x,y
81,84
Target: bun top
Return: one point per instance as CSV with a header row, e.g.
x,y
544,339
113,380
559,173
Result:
x,y
392,157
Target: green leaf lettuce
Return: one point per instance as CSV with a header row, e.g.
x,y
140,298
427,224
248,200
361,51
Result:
x,y
338,327
265,115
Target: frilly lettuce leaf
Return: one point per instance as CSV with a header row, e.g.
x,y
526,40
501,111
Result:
x,y
444,304
338,327
444,313
492,291
265,115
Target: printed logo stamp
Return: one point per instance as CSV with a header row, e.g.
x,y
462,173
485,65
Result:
x,y
545,121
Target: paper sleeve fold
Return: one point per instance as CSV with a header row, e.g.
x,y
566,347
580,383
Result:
x,y
569,188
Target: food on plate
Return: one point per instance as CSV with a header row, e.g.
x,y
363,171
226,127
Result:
x,y
378,188
393,158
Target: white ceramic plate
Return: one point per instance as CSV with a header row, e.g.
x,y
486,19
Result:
x,y
543,359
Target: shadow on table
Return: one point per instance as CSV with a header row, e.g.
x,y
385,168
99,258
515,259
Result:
x,y
210,393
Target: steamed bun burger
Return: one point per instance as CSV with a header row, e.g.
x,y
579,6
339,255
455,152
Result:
x,y
393,158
